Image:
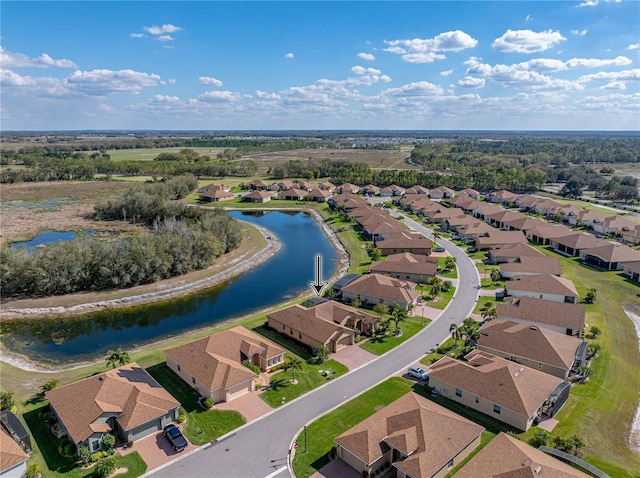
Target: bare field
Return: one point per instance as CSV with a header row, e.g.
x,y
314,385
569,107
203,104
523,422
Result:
x,y
626,169
147,154
374,158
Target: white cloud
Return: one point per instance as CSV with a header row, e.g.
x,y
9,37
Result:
x,y
163,38
624,75
634,46
471,82
615,85
20,60
166,99
359,70
137,35
428,50
172,81
289,55
420,88
103,82
209,81
589,3
528,18
366,56
263,95
527,41
446,72
579,33
106,108
219,97
166,28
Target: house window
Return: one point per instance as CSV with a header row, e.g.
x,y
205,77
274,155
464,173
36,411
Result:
x,y
458,392
283,327
178,367
496,409
95,445
193,380
540,365
450,464
300,335
291,331
477,400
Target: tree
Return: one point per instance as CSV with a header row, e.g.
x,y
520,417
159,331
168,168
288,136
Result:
x,y
436,286
594,331
117,358
104,468
48,386
84,455
293,363
7,399
489,311
495,275
376,253
436,235
398,315
323,353
381,309
594,349
454,330
541,438
449,263
577,443
356,302
109,442
470,332
590,298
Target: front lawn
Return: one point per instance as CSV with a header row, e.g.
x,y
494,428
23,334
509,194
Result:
x,y
443,299
282,390
492,285
382,344
320,434
202,426
452,274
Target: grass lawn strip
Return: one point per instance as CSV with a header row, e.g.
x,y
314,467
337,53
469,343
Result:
x,y
380,345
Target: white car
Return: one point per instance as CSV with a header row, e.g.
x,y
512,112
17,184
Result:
x,y
417,372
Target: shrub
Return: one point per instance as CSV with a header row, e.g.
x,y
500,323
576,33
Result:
x,y
208,402
95,457
84,455
7,398
33,470
447,285
69,450
182,418
105,468
251,366
109,442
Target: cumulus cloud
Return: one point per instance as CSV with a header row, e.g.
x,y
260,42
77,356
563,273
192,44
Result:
x,y
209,81
446,72
137,35
360,70
471,82
527,41
428,50
420,88
579,33
20,60
610,76
166,28
263,95
634,46
166,99
366,56
219,97
289,55
589,3
615,85
103,82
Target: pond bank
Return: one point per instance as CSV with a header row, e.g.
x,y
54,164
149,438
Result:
x,y
633,312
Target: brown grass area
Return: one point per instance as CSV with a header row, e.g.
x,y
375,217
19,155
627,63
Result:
x,y
72,190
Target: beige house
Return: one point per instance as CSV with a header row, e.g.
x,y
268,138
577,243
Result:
x,y
507,391
417,190
348,188
329,324
500,219
125,401
347,201
632,270
13,459
536,347
542,286
213,365
507,457
377,288
404,242
503,197
415,436
413,267
545,233
610,256
216,195
529,265
562,317
510,253
497,239
572,244
441,192
258,196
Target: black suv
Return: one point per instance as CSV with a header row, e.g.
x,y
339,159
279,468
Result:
x,y
175,437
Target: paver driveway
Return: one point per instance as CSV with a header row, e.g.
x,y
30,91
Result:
x,y
156,450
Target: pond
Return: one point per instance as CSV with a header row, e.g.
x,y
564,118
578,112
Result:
x,y
281,277
50,237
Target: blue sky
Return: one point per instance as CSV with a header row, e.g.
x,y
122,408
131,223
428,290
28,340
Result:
x,y
542,65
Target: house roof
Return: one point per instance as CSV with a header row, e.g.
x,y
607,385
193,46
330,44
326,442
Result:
x,y
12,453
127,391
320,193
428,433
445,213
503,194
545,312
546,204
614,253
505,216
405,240
464,202
294,192
406,263
528,200
541,283
312,322
462,220
417,190
442,190
349,187
633,266
371,188
591,215
579,240
619,223
487,208
259,183
469,191
534,264
549,231
215,361
514,251
524,223
217,193
508,457
338,313
536,343
383,287
476,229
500,238
508,384
348,201
258,195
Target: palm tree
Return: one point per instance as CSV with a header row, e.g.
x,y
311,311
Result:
x,y
469,331
398,315
489,311
454,330
436,235
449,263
436,286
293,363
495,275
117,358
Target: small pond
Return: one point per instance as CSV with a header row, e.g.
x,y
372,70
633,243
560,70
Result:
x,y
50,237
281,277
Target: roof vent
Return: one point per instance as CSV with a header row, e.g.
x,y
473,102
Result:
x,y
521,369
515,374
101,378
537,469
533,327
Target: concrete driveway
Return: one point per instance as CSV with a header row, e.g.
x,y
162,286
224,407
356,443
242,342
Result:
x,y
250,405
156,450
353,356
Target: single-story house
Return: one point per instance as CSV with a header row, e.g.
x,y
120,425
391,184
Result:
x,y
546,205
632,236
587,217
528,265
125,401
544,233
502,197
311,327
348,188
632,270
484,209
306,185
347,202
379,227
562,317
13,459
377,288
501,218
453,223
285,184
542,286
413,267
397,190
469,192
466,203
386,192
214,187
370,190
572,244
614,224
507,457
536,347
405,242
497,239
442,213
610,256
293,194
414,435
473,230
523,223
441,192
510,253
417,190
327,186
214,365
320,195
526,201
216,195
258,196
258,185
507,391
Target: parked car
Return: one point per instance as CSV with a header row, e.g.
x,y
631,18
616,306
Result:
x,y
175,437
438,249
417,372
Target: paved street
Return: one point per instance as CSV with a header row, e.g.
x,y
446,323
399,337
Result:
x,y
260,448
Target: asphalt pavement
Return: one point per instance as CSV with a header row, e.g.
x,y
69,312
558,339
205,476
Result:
x,y
260,449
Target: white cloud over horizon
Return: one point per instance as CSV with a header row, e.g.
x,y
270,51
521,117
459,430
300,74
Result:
x,y
366,56
428,50
209,81
527,41
20,60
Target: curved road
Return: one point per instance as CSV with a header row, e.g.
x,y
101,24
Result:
x,y
259,449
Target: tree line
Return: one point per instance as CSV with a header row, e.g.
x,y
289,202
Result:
x,y
180,239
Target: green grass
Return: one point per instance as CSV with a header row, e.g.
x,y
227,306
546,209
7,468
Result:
x,y
148,154
491,285
380,345
452,274
359,259
444,297
282,390
320,434
202,426
482,300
